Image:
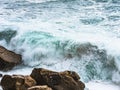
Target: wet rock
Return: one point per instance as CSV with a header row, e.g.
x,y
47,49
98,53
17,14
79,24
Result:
x,y
8,59
44,87
43,79
67,80
72,74
67,83
17,82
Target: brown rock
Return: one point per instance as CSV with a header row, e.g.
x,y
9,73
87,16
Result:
x,y
67,83
44,87
81,84
40,75
8,59
72,74
67,80
7,83
1,75
29,81
17,82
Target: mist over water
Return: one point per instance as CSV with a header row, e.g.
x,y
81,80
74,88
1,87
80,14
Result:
x,y
79,35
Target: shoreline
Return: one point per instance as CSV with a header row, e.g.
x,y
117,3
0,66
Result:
x,y
92,85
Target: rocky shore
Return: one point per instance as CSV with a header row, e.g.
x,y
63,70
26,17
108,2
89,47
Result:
x,y
39,79
8,59
43,79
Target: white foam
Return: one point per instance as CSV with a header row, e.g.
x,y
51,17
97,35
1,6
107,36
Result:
x,y
101,86
61,21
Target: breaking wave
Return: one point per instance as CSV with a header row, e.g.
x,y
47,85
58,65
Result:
x,y
80,35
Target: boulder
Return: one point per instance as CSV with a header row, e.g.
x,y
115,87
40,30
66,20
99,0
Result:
x,y
43,79
67,80
67,83
72,74
17,82
8,59
40,75
44,87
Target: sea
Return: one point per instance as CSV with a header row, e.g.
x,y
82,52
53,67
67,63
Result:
x,y
77,35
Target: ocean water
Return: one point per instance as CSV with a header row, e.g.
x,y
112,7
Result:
x,y
79,35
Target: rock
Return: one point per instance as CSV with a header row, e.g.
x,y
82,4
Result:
x,y
72,74
8,59
81,84
29,81
9,83
17,82
44,87
40,75
67,80
43,79
67,83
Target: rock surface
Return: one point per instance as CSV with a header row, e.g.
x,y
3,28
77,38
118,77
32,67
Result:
x,y
8,59
43,79
44,87
17,82
67,80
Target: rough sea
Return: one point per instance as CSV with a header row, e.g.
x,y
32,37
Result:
x,y
77,35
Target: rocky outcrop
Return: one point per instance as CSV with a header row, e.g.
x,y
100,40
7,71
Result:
x,y
43,79
67,80
17,82
8,59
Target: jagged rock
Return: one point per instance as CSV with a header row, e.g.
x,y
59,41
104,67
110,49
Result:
x,y
72,74
8,59
44,87
67,83
40,75
17,82
67,80
42,79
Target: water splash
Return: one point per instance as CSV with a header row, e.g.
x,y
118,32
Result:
x,y
80,35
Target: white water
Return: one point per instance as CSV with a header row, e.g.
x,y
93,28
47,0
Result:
x,y
101,86
49,30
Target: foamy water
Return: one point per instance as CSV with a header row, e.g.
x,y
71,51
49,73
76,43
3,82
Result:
x,y
101,86
51,32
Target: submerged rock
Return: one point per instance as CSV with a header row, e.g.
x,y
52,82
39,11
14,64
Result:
x,y
8,59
